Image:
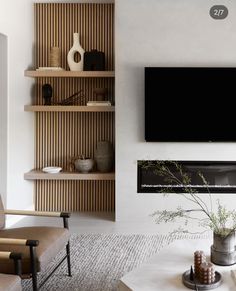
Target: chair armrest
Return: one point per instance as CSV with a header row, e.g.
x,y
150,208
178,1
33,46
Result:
x,y
16,257
5,255
19,242
10,255
36,213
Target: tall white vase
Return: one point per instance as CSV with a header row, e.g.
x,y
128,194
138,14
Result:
x,y
76,48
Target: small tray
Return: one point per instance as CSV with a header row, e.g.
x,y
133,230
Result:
x,y
191,284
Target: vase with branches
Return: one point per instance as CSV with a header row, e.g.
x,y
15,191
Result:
x,y
220,220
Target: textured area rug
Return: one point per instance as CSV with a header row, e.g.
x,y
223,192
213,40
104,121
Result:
x,y
99,261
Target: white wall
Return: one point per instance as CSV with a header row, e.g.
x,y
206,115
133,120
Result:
x,y
16,21
162,33
3,117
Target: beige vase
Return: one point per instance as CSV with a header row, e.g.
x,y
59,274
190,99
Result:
x,y
76,48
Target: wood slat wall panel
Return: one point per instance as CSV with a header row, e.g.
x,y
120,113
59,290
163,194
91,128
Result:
x,y
56,23
62,135
75,195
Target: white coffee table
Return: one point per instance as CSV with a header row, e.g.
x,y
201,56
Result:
x,y
164,271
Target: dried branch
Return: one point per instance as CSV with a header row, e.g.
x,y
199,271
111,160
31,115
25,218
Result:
x,y
222,222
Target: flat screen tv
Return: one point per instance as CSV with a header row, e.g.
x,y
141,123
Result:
x,y
190,104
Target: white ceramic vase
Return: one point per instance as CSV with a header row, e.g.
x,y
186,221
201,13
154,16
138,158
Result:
x,y
76,48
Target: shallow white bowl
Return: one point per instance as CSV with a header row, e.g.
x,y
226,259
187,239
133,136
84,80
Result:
x,y
52,170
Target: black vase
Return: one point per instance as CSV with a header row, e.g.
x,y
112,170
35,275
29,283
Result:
x,y
94,61
47,94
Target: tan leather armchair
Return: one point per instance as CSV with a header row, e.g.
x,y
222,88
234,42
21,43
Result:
x,y
11,282
38,245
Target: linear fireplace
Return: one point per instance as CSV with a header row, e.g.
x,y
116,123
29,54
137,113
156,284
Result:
x,y
220,176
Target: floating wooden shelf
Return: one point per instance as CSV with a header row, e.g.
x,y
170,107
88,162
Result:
x,y
52,108
70,74
39,175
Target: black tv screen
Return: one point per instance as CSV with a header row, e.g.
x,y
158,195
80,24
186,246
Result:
x,y
190,104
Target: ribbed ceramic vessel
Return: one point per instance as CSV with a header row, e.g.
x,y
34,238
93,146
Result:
x,y
104,156
223,250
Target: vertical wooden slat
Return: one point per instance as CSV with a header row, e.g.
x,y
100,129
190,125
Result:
x,y
62,135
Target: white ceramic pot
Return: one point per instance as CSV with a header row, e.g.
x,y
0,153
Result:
x,y
84,166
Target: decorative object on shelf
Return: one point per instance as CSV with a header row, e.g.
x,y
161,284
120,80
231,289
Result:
x,y
76,48
199,258
52,170
55,57
83,164
98,103
50,69
94,61
223,250
74,99
100,94
47,93
216,216
104,156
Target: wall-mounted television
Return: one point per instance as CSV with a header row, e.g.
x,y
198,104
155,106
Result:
x,y
190,104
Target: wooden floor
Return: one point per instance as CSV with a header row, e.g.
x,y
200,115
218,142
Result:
x,y
81,223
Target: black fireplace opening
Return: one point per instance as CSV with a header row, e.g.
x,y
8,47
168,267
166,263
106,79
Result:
x,y
220,177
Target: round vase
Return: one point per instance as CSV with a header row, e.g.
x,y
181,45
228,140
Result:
x,y
223,250
76,48
84,165
104,156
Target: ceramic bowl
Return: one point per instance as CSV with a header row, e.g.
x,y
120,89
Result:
x,y
84,165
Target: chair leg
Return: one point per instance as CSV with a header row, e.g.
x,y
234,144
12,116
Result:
x,y
68,258
33,268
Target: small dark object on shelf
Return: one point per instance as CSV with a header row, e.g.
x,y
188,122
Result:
x,y
94,61
47,94
100,94
73,99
